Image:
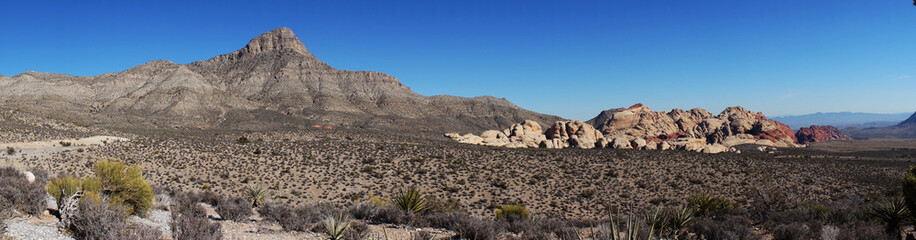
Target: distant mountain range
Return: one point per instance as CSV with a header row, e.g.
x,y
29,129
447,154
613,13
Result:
x,y
843,119
904,129
274,81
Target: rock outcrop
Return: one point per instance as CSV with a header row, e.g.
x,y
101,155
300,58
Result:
x,y
819,134
685,129
638,127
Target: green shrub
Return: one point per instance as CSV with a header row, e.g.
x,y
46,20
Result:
x,y
10,151
122,186
411,201
512,213
705,204
243,140
63,187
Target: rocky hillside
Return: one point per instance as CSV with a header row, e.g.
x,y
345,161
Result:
x,y
816,133
274,81
640,128
905,129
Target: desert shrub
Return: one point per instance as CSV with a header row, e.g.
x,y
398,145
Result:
x,y
335,227
122,186
10,151
411,200
447,205
443,220
243,140
162,201
472,228
678,219
730,227
63,187
99,220
862,231
209,197
19,193
234,208
706,204
790,232
357,231
300,218
909,190
190,222
256,194
65,144
891,211
512,213
390,215
362,211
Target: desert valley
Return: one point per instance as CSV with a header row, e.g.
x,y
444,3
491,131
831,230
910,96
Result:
x,y
269,142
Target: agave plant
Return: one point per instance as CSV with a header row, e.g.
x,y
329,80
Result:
x,y
411,200
657,219
892,211
334,227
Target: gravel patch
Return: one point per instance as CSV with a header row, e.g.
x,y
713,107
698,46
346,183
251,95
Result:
x,y
29,231
157,218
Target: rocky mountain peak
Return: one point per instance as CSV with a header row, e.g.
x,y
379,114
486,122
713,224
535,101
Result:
x,y
277,39
909,121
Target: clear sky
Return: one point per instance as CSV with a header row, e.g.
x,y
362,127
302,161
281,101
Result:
x,y
567,58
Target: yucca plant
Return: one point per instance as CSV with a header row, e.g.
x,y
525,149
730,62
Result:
x,y
411,200
256,194
334,227
705,203
679,218
631,232
657,219
892,211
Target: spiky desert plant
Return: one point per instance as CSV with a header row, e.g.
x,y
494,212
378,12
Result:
x,y
334,227
411,200
512,213
891,211
679,218
256,194
705,203
631,231
657,219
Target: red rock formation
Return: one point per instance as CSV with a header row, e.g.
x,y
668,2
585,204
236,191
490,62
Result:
x,y
819,134
782,131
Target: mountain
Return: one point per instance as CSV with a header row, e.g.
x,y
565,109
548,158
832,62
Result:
x,y
816,133
274,81
843,119
904,129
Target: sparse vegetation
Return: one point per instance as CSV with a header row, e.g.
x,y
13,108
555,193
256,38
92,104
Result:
x,y
99,220
512,213
10,151
190,222
17,193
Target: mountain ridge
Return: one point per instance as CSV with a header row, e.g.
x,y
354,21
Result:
x,y
272,80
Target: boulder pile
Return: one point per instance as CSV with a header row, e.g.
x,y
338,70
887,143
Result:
x,y
638,127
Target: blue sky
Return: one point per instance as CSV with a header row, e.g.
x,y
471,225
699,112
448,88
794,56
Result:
x,y
567,58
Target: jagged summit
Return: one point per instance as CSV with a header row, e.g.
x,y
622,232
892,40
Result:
x,y
278,39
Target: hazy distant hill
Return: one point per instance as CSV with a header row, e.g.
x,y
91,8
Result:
x,y
843,119
904,129
272,81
